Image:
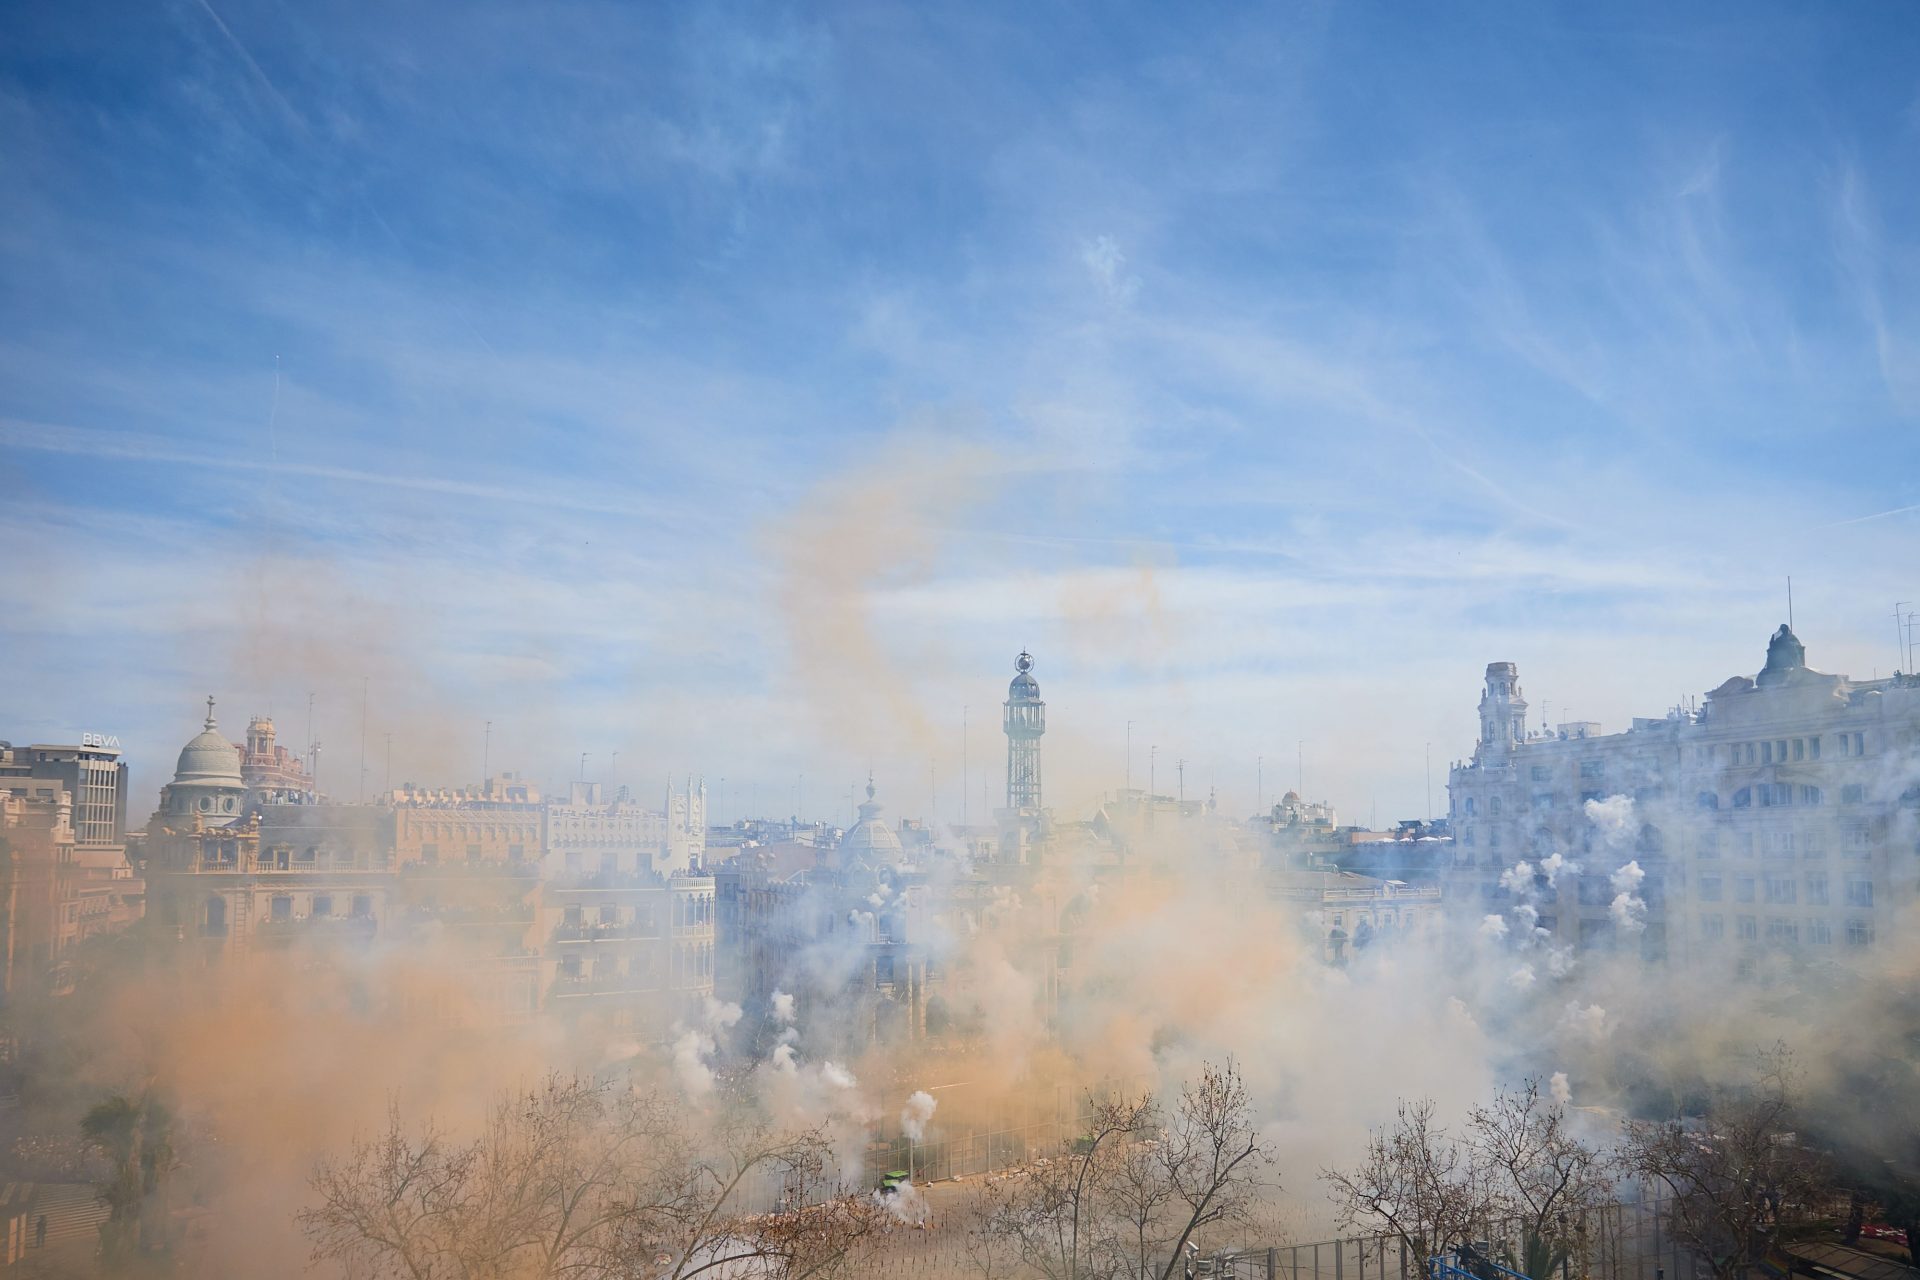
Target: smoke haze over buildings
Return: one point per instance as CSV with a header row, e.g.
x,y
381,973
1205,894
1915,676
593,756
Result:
x,y
681,418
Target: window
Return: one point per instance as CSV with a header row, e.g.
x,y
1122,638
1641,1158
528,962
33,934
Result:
x,y
1748,929
1709,888
1743,844
1782,889
1707,844
1813,844
1766,753
1743,798
1493,838
473,854
1469,806
1819,931
1854,843
1713,928
1859,933
1540,773
517,852
1817,889
362,906
1592,769
1494,806
430,854
1777,844
1707,800
1811,796
322,906
1781,931
1799,748
1852,793
1859,892
1773,794
1543,803
1752,758
1813,747
281,908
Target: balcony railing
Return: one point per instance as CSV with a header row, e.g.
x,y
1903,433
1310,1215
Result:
x,y
593,931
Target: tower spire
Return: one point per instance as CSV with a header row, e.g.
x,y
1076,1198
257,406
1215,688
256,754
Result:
x,y
1025,723
210,723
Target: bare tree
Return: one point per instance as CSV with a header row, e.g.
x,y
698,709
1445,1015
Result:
x,y
1212,1155
1053,1218
1418,1183
1128,1198
1737,1179
581,1180
1516,1170
1541,1179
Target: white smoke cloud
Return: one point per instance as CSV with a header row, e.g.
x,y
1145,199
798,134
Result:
x,y
1493,927
690,1054
1585,1020
1555,865
914,1116
1627,879
1561,1089
1518,878
1521,978
1612,818
1629,909
783,1011
906,1205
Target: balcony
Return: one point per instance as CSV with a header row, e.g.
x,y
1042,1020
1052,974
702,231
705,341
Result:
x,y
605,880
593,931
347,930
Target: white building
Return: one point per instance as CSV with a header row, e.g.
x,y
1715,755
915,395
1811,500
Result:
x,y
1781,817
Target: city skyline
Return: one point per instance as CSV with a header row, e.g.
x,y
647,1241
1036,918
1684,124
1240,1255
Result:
x,y
741,391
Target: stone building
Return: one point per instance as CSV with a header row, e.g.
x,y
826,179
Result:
x,y
630,949
1779,819
273,774
591,831
36,901
71,878
501,821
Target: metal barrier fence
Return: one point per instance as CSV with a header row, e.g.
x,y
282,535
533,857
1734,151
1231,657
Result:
x,y
1624,1241
1630,1240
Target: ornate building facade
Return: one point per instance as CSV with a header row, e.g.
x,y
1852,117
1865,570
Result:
x,y
1780,819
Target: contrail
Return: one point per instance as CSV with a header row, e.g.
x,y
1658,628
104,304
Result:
x,y
253,66
1878,515
45,438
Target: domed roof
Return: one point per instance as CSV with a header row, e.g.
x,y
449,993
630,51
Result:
x,y
870,840
209,760
1024,687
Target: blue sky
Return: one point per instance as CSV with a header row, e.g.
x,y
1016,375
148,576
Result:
x,y
738,388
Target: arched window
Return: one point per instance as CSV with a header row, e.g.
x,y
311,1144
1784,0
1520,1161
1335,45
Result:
x,y
1708,800
1743,798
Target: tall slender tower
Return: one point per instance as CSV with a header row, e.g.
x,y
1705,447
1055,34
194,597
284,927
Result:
x,y
1026,721
1503,712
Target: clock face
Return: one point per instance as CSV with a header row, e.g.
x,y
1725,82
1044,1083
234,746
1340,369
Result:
x,y
1023,663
